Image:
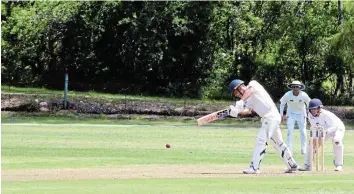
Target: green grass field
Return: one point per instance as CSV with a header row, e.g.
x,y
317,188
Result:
x,y
103,96
133,159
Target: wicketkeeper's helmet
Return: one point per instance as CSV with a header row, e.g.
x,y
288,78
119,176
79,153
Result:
x,y
315,104
233,85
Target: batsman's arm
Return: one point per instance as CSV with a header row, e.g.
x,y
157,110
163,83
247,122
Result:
x,y
247,93
246,111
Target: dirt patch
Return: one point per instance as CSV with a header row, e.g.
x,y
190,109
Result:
x,y
149,171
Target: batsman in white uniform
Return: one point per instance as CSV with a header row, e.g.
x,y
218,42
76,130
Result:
x,y
297,102
255,97
335,130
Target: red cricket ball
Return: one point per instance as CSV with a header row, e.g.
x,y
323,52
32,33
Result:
x,y
168,145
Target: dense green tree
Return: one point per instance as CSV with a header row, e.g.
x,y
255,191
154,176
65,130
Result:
x,y
181,49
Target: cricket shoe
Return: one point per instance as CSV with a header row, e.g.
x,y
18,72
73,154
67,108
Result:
x,y
292,169
251,170
339,168
305,168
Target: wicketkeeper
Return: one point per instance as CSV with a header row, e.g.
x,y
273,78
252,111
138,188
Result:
x,y
255,97
297,103
335,130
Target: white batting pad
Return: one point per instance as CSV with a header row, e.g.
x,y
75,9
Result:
x,y
270,131
338,149
278,144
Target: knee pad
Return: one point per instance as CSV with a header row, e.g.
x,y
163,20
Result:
x,y
286,155
338,152
262,144
282,146
261,141
337,142
283,149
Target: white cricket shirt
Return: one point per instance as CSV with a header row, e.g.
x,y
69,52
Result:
x,y
260,101
326,119
296,104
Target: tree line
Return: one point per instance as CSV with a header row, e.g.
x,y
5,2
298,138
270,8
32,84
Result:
x,y
180,49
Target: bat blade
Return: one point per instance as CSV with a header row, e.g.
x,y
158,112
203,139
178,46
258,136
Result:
x,y
213,116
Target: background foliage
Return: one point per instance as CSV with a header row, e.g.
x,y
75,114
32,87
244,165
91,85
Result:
x,y
180,49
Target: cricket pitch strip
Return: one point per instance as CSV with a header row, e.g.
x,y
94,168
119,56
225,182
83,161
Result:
x,y
150,171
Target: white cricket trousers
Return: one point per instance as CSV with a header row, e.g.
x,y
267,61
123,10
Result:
x,y
338,147
301,122
270,131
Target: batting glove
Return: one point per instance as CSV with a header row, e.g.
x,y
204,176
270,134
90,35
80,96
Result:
x,y
240,105
233,111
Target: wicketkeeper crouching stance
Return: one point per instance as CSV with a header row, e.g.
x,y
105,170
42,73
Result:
x,y
334,128
255,97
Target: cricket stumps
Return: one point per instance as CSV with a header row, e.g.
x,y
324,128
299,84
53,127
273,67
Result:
x,y
317,137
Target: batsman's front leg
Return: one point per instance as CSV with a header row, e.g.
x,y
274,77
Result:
x,y
284,151
258,153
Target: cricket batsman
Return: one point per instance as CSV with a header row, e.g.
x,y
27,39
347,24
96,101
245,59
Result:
x,y
255,97
297,102
334,130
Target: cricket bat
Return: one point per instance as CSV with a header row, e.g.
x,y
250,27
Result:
x,y
213,116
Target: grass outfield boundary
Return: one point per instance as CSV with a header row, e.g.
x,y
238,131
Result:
x,y
83,158
132,125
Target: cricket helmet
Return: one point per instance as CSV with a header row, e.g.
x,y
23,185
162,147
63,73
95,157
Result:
x,y
315,104
233,85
